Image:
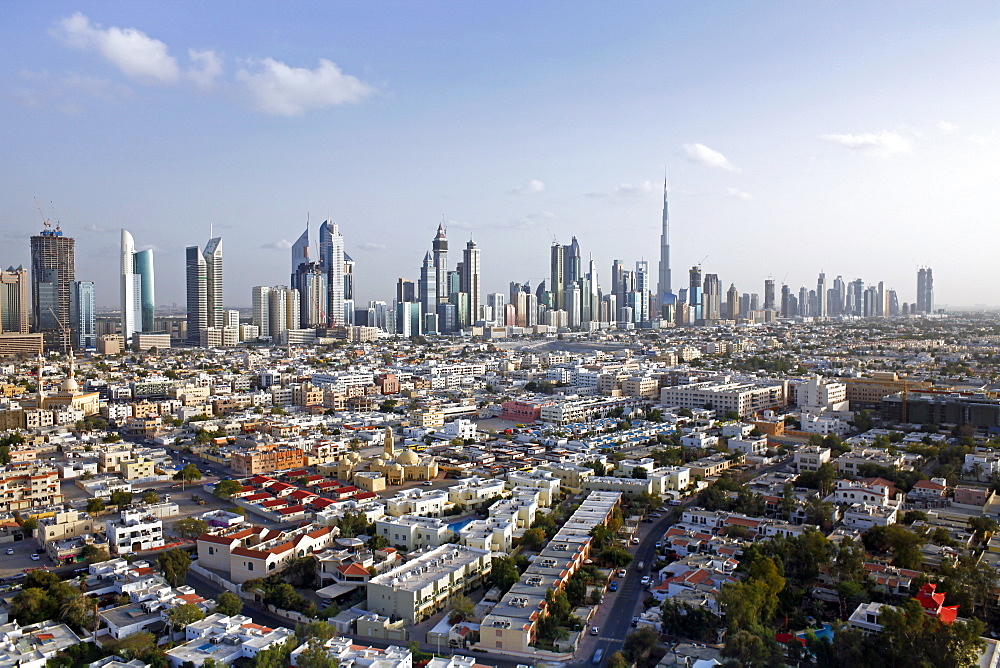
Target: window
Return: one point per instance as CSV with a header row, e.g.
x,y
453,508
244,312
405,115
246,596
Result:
x,y
249,565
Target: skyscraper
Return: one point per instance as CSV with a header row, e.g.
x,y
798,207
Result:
x,y
664,292
300,254
215,311
694,293
138,301
732,302
331,248
53,268
262,310
768,293
821,296
15,301
427,285
925,290
557,275
83,314
197,293
712,298
440,249
471,279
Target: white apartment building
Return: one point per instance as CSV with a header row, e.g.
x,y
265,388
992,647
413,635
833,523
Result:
x,y
545,482
347,652
427,583
750,446
415,501
743,398
472,492
410,532
136,531
810,458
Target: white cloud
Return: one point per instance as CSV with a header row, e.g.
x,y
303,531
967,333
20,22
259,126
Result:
x,y
739,194
280,89
530,188
704,155
371,246
96,229
881,144
643,189
284,244
945,126
205,69
135,53
987,139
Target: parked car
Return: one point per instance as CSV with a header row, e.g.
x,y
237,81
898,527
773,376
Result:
x,y
635,541
427,483
644,581
655,515
621,572
613,586
595,630
10,550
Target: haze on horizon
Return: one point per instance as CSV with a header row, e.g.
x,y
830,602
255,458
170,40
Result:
x,y
855,138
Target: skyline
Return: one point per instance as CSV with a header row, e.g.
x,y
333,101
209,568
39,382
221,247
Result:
x,y
842,119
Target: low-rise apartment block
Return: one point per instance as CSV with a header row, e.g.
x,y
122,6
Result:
x,y
427,583
23,488
137,530
225,639
266,458
410,532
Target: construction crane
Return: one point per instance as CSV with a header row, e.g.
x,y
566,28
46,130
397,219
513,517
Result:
x,y
702,261
45,221
64,331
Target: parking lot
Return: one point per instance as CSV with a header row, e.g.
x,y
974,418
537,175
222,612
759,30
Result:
x,y
12,564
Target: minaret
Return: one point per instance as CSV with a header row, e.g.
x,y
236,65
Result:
x,y
389,444
664,292
440,248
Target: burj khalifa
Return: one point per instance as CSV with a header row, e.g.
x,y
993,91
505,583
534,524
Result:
x,y
664,293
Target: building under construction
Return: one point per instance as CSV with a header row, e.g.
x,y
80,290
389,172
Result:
x,y
52,271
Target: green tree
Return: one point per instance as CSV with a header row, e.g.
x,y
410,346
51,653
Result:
x,y
377,542
463,608
95,505
181,616
121,498
639,644
315,655
615,555
910,637
175,564
189,473
504,574
617,660
228,603
190,527
533,539
93,554
224,489
150,497
32,605
141,645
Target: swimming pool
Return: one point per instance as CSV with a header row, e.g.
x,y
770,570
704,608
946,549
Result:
x,y
823,633
455,527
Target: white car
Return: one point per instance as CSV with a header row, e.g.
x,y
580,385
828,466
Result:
x,y
35,557
595,630
427,483
10,550
635,541
621,572
644,581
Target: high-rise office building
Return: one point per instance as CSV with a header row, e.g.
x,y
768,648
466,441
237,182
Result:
x,y
768,293
925,290
821,296
405,292
642,290
15,301
312,287
197,293
53,268
331,248
712,298
262,310
440,249
348,290
215,290
471,279
557,275
427,285
300,254
205,288
138,295
694,293
732,302
83,314
664,291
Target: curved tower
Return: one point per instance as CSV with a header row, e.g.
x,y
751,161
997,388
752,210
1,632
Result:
x,y
131,289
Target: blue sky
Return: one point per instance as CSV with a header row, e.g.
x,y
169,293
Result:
x,y
856,138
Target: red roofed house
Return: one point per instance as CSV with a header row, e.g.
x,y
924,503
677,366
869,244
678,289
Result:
x,y
933,604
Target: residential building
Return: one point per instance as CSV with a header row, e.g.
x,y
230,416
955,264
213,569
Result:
x,y
24,488
428,582
135,531
225,640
